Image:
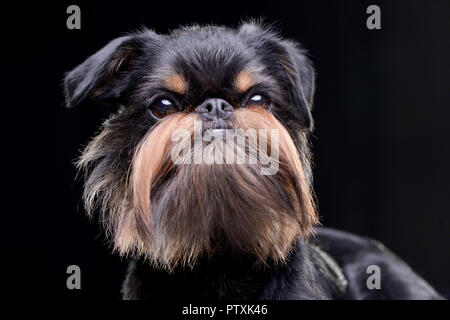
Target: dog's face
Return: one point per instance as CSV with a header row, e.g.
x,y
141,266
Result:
x,y
194,80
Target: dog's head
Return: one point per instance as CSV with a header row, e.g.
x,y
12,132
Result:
x,y
171,199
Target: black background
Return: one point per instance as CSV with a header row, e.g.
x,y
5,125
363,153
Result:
x,y
381,142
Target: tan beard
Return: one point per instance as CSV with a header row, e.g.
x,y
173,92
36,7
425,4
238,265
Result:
x,y
173,214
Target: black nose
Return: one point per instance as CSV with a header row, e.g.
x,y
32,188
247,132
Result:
x,y
215,109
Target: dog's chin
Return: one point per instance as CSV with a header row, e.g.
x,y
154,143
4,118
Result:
x,y
208,210
183,211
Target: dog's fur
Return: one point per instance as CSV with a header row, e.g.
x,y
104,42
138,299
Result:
x,y
217,231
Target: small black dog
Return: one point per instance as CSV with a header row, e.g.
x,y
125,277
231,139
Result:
x,y
218,229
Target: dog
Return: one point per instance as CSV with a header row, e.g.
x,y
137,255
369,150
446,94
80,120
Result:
x,y
196,227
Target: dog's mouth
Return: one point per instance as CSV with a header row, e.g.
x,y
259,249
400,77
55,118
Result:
x,y
217,127
220,133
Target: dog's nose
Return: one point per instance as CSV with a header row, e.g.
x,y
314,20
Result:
x,y
215,109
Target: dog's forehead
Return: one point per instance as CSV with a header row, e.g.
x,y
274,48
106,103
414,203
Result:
x,y
209,59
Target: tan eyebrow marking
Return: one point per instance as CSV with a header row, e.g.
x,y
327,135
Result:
x,y
244,80
176,83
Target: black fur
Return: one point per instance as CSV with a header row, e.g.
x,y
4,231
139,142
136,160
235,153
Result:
x,y
129,71
332,265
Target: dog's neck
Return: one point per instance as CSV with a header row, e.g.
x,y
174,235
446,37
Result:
x,y
225,277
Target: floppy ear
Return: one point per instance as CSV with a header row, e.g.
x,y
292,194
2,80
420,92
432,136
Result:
x,y
302,79
296,67
107,74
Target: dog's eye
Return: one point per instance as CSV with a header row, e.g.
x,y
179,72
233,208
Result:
x,y
258,99
162,107
165,102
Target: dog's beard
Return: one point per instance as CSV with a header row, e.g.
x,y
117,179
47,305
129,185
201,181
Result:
x,y
174,214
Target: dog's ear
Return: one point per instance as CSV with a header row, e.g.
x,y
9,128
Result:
x,y
106,75
294,63
301,77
